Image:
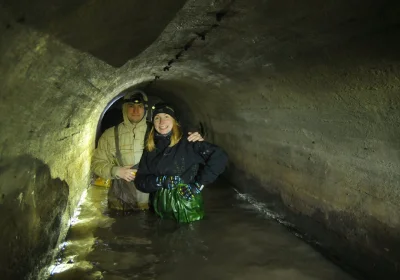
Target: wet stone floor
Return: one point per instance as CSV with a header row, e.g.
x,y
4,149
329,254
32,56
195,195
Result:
x,y
235,241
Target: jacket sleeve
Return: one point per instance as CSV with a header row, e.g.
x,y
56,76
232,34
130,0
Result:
x,y
215,160
103,163
144,181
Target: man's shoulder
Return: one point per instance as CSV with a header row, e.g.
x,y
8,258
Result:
x,y
109,132
193,144
184,140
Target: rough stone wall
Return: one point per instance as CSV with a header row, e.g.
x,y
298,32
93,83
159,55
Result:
x,y
306,103
32,205
326,140
48,115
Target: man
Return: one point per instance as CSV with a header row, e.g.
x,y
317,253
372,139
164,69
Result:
x,y
131,137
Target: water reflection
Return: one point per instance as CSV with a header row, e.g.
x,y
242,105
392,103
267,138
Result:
x,y
238,239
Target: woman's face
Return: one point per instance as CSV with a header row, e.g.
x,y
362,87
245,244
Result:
x,y
163,123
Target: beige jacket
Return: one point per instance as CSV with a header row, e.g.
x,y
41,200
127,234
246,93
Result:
x,y
131,145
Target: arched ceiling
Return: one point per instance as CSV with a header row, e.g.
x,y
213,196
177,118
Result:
x,y
118,31
113,31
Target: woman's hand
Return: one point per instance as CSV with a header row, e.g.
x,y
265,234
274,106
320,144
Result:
x,y
168,182
190,190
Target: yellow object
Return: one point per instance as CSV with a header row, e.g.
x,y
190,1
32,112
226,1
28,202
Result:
x,y
143,206
101,182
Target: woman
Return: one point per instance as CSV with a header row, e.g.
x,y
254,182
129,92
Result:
x,y
176,169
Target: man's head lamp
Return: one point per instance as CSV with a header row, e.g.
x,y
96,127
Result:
x,y
135,100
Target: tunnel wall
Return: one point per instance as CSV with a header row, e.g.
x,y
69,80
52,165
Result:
x,y
322,132
47,106
306,101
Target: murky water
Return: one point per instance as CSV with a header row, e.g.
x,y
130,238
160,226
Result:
x,y
235,241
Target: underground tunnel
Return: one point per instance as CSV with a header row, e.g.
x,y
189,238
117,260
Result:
x,y
303,96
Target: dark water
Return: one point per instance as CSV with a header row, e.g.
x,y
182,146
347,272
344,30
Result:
x,y
237,240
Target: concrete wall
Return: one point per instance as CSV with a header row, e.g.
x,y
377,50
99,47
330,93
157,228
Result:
x,y
307,104
324,136
48,119
305,101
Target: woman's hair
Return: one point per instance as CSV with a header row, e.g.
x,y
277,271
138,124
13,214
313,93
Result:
x,y
176,135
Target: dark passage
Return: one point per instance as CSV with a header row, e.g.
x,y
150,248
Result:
x,y
304,96
235,241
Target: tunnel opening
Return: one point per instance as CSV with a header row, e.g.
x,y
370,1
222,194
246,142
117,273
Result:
x,y
186,96
112,113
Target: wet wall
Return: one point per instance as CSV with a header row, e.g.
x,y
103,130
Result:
x,y
304,97
46,140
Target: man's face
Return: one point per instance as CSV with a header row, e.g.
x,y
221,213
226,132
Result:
x,y
135,112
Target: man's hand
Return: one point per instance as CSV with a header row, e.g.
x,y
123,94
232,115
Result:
x,y
126,173
194,137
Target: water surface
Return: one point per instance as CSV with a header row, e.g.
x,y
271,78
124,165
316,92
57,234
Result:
x,y
238,239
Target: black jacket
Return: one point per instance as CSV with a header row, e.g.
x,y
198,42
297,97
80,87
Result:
x,y
200,162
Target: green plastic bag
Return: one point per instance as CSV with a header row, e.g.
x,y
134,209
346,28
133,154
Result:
x,y
170,204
